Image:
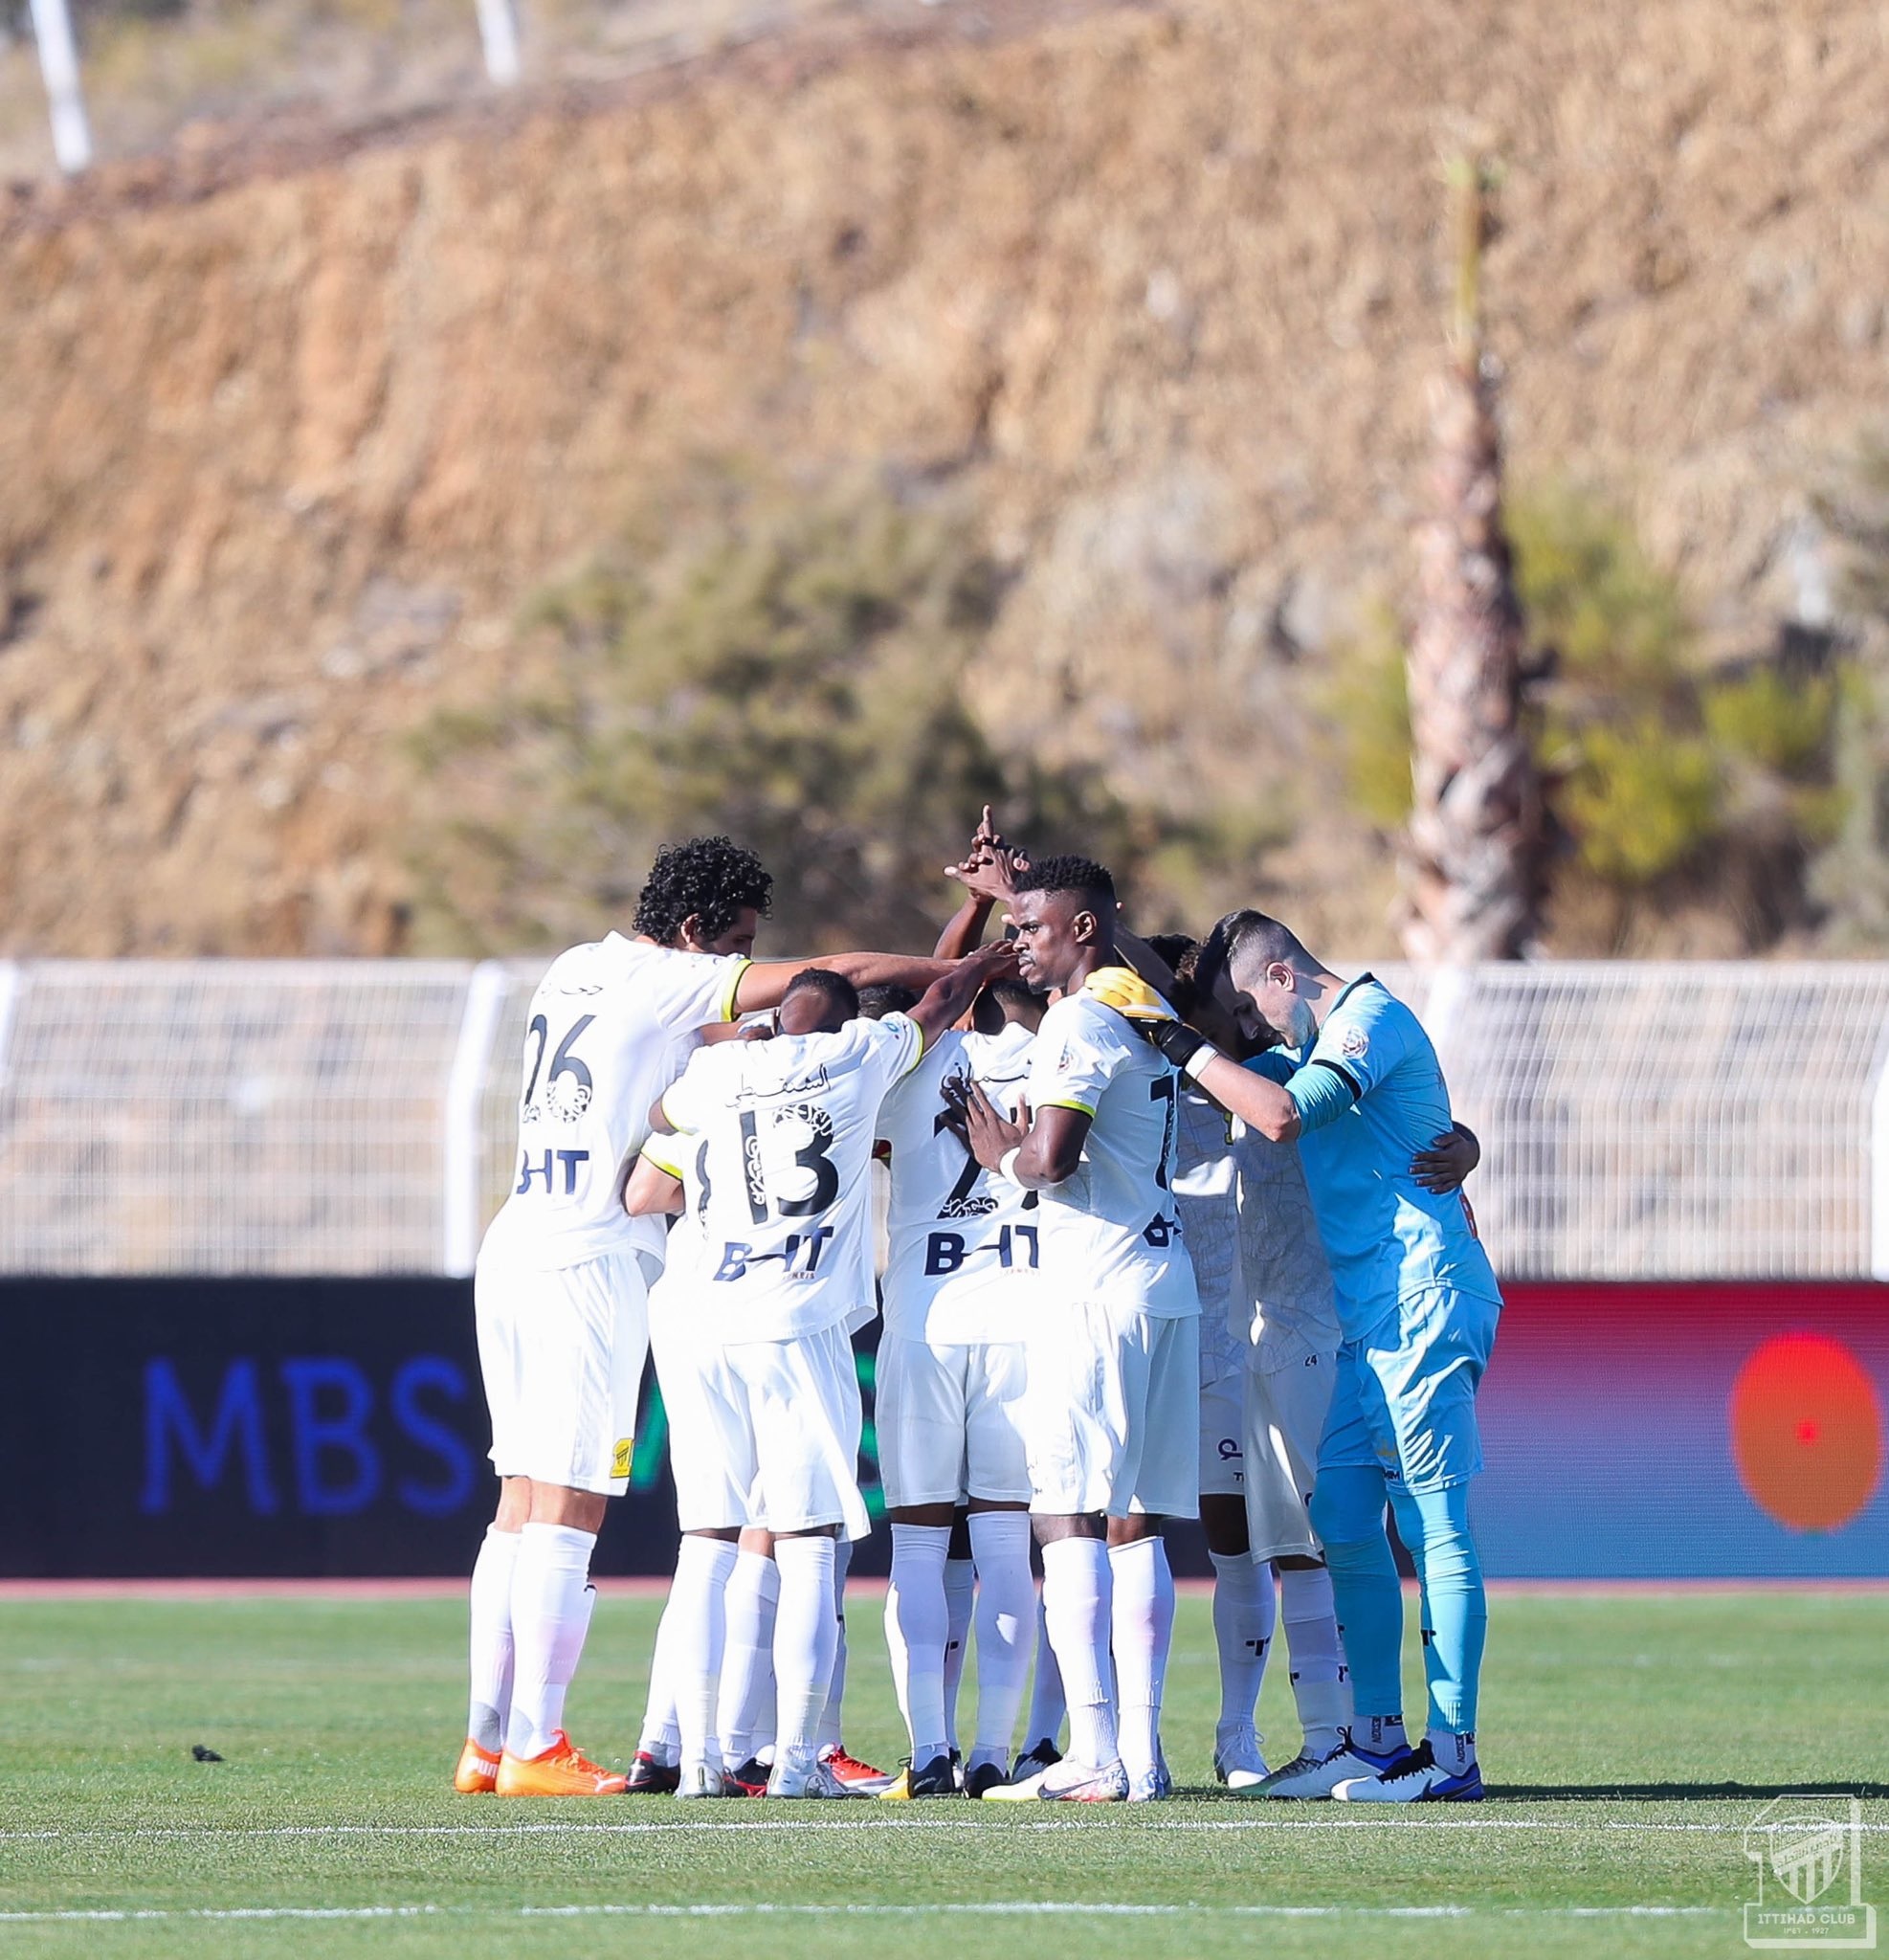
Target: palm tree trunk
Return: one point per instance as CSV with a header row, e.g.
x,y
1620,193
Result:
x,y
1472,859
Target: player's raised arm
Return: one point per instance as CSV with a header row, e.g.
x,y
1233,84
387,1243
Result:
x,y
764,983
963,931
948,997
1258,1101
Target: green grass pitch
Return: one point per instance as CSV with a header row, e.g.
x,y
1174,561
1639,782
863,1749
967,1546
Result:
x,y
1629,1740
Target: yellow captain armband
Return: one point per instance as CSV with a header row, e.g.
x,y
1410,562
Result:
x,y
1125,990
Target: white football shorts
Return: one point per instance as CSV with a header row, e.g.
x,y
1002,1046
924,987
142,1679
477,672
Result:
x,y
949,1419
562,1353
774,1426
1223,1437
1285,1415
1112,1411
697,1394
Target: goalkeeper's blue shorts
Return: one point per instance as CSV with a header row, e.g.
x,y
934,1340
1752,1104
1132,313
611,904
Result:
x,y
1404,1400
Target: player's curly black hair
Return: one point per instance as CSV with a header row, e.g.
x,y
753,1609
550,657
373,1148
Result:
x,y
1070,874
709,879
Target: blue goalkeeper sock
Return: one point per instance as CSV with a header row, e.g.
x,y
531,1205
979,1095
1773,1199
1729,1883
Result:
x,y
1347,1513
1456,1607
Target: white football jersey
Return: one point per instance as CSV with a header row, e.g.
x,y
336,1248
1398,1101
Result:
x,y
1207,1191
1292,1302
612,1026
671,1295
961,1242
1111,1232
776,1147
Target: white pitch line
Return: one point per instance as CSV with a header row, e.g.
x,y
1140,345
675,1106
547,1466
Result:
x,y
1325,1821
758,1909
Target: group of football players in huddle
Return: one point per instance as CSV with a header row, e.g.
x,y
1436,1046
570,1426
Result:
x,y
1171,1229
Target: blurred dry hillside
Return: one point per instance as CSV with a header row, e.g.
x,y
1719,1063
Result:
x,y
291,429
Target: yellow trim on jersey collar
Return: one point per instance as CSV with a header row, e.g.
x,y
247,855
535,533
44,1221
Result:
x,y
1064,1103
732,988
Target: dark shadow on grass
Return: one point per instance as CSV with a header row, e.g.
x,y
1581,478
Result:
x,y
1679,1792
1582,1793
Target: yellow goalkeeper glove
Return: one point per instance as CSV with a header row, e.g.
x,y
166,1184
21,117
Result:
x,y
1125,990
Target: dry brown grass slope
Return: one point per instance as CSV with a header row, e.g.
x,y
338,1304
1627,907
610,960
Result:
x,y
285,441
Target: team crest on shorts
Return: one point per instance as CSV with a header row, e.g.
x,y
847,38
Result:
x,y
619,1457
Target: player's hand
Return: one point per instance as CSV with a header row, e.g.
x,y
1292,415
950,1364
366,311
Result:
x,y
990,1135
1449,1160
992,875
996,961
1125,990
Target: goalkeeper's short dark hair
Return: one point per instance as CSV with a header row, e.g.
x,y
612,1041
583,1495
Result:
x,y
711,880
1083,875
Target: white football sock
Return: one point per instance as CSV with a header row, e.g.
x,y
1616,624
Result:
x,y
960,1602
1076,1613
661,1738
491,1600
745,1717
805,1636
1005,1625
1316,1655
1047,1704
551,1602
917,1627
1244,1610
1454,1751
1142,1619
831,1729
697,1625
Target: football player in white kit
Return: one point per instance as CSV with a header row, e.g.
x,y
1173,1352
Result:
x,y
1111,1408
776,1141
963,1255
1287,1319
562,1279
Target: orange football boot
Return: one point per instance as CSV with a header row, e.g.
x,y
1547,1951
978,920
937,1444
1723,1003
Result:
x,y
561,1771
477,1772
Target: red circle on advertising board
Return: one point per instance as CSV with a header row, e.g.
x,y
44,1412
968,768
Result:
x,y
1806,1432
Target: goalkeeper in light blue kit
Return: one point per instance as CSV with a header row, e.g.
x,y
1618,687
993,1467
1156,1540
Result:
x,y
1357,1083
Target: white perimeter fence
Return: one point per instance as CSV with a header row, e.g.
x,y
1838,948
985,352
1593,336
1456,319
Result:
x,y
1637,1121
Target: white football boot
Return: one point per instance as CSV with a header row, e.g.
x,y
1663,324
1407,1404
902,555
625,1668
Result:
x,y
1309,1776
1067,1782
1416,1778
800,1773
701,1779
1237,1759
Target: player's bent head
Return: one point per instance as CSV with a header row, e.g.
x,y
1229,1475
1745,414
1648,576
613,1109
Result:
x,y
1255,968
1247,943
884,998
708,896
818,1002
1064,906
